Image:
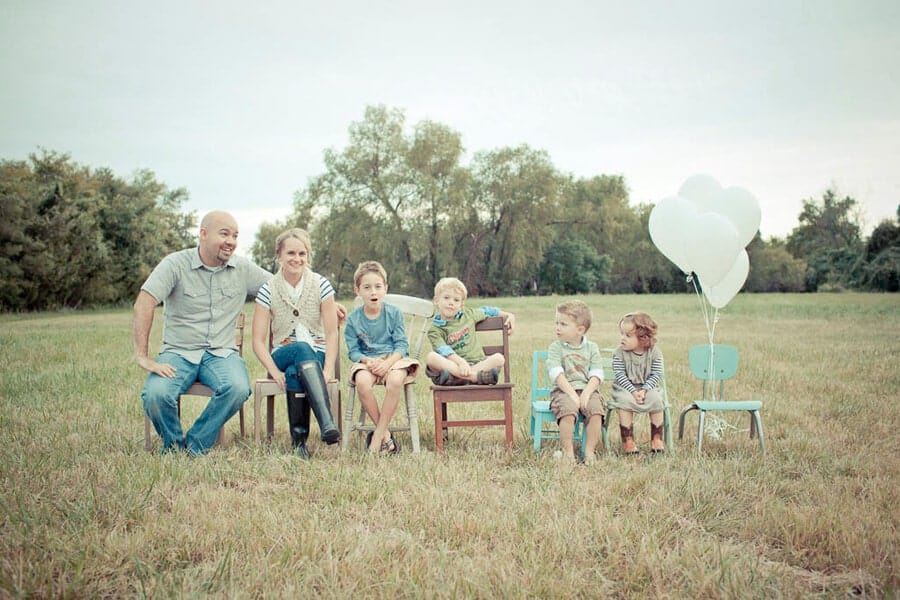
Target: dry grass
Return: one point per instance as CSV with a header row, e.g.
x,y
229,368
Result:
x,y
87,513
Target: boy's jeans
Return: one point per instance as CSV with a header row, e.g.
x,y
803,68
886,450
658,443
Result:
x,y
228,379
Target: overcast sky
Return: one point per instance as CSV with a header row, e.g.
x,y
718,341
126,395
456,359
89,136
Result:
x,y
236,102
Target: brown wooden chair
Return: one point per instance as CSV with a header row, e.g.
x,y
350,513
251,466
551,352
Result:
x,y
501,392
198,389
267,389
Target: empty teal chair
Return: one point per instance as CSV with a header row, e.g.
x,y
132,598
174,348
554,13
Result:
x,y
667,416
714,364
541,416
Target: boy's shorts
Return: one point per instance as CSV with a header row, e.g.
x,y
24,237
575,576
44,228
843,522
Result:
x,y
561,405
410,365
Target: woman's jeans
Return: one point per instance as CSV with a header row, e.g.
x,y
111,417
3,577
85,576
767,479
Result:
x,y
289,356
228,379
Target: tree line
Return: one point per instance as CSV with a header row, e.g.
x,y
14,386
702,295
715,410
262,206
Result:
x,y
71,236
507,223
510,223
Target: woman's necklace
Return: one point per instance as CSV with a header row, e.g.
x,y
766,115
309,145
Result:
x,y
289,294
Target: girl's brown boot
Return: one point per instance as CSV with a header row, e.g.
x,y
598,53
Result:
x,y
656,438
628,445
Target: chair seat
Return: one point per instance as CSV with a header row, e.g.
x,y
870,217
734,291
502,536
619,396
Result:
x,y
728,404
474,392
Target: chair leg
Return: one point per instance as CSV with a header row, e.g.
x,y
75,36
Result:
x,y
536,427
667,429
604,431
700,432
241,418
440,417
257,405
582,437
759,430
270,418
684,413
507,407
335,401
752,424
348,428
413,417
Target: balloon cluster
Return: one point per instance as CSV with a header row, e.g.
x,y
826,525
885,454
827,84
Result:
x,y
705,230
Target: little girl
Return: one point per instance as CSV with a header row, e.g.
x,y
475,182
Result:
x,y
637,370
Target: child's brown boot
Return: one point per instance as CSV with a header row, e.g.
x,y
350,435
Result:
x,y
628,445
656,439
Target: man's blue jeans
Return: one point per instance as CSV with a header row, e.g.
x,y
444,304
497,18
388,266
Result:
x,y
228,379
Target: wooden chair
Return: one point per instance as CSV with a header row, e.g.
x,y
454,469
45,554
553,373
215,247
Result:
x,y
268,389
418,313
714,364
198,389
501,392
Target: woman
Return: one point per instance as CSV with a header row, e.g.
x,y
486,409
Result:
x,y
298,305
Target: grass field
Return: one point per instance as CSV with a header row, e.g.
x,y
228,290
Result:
x,y
86,512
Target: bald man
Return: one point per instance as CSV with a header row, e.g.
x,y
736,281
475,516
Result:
x,y
203,290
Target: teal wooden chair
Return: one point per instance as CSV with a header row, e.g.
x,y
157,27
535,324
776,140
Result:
x,y
543,423
668,437
714,364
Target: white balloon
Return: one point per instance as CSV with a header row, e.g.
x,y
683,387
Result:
x,y
724,292
702,190
713,248
669,229
742,209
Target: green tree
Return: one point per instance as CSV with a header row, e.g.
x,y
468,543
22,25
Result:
x,y
388,196
516,192
75,237
441,184
882,270
828,238
773,268
572,266
598,210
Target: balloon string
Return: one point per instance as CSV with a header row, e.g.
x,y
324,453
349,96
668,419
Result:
x,y
710,331
710,368
703,308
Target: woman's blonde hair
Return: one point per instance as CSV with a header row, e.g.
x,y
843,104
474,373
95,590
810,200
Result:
x,y
296,233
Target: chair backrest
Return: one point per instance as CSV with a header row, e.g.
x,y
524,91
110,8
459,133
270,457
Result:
x,y
713,364
497,324
239,333
606,361
540,381
418,313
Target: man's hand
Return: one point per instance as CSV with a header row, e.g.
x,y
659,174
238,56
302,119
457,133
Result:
x,y
161,369
341,312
